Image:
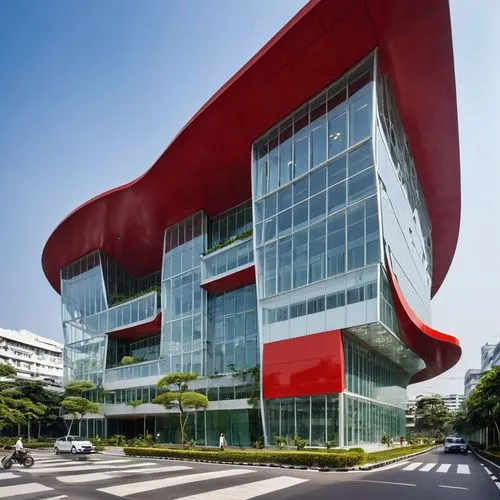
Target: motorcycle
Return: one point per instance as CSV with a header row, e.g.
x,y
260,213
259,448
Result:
x,y
20,457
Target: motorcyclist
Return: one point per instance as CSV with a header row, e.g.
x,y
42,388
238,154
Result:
x,y
19,448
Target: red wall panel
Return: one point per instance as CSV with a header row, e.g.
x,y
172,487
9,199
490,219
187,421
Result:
x,y
303,366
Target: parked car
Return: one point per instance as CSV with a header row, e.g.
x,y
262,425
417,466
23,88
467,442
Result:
x,y
73,444
455,444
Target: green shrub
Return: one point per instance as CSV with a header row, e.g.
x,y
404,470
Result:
x,y
331,444
299,442
37,444
192,444
309,459
280,441
380,456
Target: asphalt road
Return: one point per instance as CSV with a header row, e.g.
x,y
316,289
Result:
x,y
431,476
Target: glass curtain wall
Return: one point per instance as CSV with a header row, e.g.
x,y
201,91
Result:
x,y
375,398
232,331
182,329
83,295
312,174
230,224
313,418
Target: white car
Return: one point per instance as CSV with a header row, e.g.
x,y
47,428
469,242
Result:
x,y
455,444
73,444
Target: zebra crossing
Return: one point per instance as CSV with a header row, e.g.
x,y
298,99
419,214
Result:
x,y
126,477
435,467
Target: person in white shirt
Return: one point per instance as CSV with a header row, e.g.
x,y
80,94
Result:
x,y
222,442
19,445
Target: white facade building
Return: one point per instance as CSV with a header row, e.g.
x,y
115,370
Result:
x,y
451,401
33,357
490,357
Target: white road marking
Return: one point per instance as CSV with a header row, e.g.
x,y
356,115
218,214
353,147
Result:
x,y
87,467
384,482
55,498
494,478
392,466
463,469
8,475
427,467
443,468
22,489
413,466
126,489
498,485
452,487
104,476
488,471
72,463
249,490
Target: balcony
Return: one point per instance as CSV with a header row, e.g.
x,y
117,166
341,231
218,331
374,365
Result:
x,y
137,311
229,267
136,371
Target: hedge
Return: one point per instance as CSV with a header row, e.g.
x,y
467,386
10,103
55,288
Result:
x,y
301,458
380,456
30,445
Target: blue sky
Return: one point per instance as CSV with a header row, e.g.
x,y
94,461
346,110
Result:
x,y
92,92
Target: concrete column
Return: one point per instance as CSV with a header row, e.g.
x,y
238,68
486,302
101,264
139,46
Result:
x,y
144,425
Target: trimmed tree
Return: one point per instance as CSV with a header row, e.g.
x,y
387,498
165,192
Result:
x,y
176,395
78,407
75,404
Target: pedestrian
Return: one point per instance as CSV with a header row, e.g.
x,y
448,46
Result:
x,y
222,442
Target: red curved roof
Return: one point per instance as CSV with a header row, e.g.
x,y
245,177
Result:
x,y
208,164
440,351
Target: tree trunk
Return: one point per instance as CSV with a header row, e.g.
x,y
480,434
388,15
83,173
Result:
x,y
39,429
181,421
498,431
70,425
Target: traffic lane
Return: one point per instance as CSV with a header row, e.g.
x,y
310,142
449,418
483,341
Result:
x,y
433,484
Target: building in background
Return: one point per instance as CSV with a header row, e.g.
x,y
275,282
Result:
x,y
490,357
287,244
33,357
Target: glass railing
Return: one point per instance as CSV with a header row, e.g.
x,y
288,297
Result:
x,y
139,370
226,259
139,310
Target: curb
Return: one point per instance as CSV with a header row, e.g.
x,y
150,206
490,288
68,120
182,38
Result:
x,y
480,457
393,460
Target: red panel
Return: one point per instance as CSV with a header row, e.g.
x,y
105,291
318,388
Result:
x,y
231,281
439,350
319,44
139,331
303,366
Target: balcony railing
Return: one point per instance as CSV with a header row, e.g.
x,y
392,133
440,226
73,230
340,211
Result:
x,y
227,259
139,370
140,310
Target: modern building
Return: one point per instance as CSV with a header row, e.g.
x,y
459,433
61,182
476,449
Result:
x,y
33,357
490,357
451,401
471,379
286,245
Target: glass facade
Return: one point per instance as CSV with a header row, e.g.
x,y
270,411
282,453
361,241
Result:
x,y
183,304
334,192
227,259
230,224
232,331
313,418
